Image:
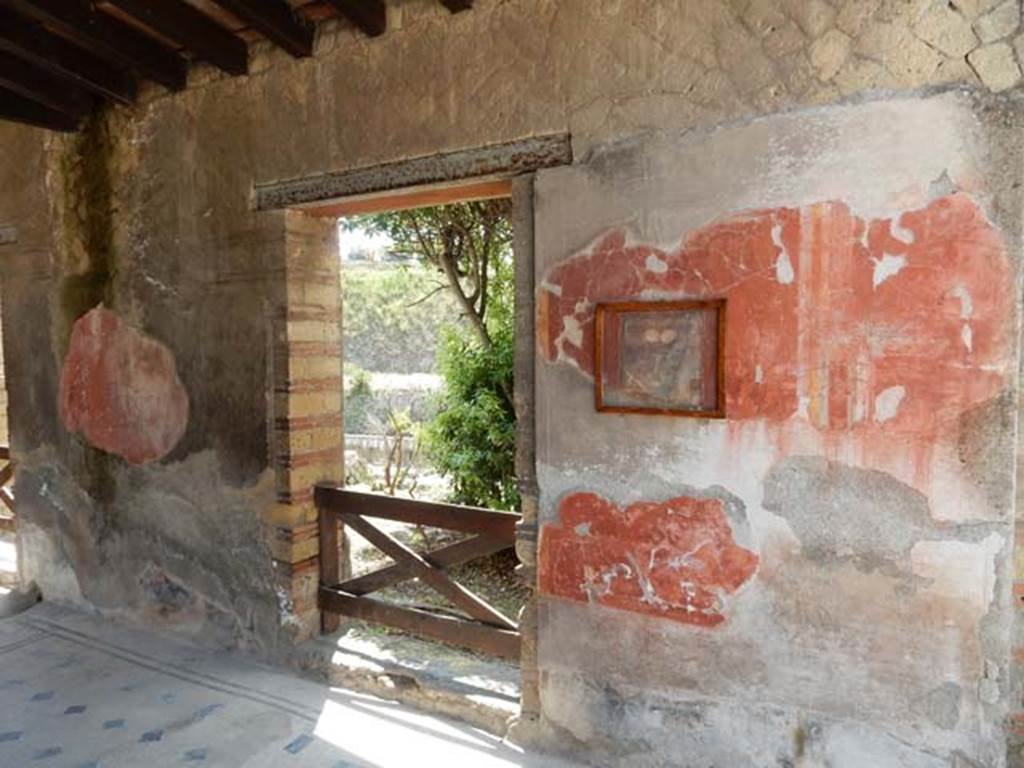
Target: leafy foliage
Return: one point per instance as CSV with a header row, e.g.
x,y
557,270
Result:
x,y
468,244
389,323
358,399
472,439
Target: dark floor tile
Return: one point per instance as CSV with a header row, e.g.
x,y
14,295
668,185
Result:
x,y
299,744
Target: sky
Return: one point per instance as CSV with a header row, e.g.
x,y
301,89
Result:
x,y
357,239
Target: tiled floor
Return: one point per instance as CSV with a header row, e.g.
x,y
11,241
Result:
x,y
76,691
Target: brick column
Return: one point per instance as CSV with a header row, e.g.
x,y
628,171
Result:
x,y
306,435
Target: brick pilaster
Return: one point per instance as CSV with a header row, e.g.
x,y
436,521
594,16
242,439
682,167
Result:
x,y
306,429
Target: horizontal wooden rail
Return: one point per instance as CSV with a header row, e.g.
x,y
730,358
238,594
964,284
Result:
x,y
487,522
484,629
480,637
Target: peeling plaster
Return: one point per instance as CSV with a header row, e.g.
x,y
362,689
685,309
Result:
x,y
888,401
886,267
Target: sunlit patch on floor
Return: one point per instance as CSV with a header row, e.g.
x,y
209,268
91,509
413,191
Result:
x,y
433,741
8,556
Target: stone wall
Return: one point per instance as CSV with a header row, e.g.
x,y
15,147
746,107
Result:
x,y
199,517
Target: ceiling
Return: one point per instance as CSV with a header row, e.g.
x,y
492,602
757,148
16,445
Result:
x,y
60,58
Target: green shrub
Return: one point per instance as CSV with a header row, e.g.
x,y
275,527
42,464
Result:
x,y
472,440
358,399
468,246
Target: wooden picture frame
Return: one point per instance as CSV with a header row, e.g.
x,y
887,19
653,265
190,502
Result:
x,y
681,337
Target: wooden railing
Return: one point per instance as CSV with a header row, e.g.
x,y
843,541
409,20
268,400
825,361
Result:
x,y
6,492
483,628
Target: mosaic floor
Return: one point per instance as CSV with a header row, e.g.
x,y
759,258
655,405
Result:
x,y
77,692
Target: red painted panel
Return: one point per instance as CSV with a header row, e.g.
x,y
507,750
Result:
x,y
675,559
877,333
825,310
120,389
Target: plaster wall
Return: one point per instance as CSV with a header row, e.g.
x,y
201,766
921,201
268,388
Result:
x,y
822,577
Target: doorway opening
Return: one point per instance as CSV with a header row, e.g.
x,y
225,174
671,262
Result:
x,y
429,347
431,501
9,578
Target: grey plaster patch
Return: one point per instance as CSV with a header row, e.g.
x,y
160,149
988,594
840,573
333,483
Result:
x,y
984,452
856,745
837,510
176,547
615,160
167,593
942,705
941,186
623,725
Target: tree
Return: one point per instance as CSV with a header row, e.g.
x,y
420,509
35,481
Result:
x,y
469,245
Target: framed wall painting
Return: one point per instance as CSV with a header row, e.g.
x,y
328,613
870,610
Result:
x,y
660,357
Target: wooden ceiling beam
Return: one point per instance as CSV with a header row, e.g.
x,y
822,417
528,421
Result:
x,y
32,82
192,29
31,42
107,38
457,6
276,21
371,16
18,109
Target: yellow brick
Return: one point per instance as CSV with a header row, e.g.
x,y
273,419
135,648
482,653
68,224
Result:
x,y
300,368
329,437
305,293
291,552
289,515
306,440
300,478
313,330
297,404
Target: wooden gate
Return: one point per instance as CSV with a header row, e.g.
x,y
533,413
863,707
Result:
x,y
6,494
483,629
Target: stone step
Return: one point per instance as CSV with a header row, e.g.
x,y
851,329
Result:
x,y
481,691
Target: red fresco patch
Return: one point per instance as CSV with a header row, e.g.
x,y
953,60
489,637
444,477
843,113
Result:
x,y
675,559
878,333
826,311
120,389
